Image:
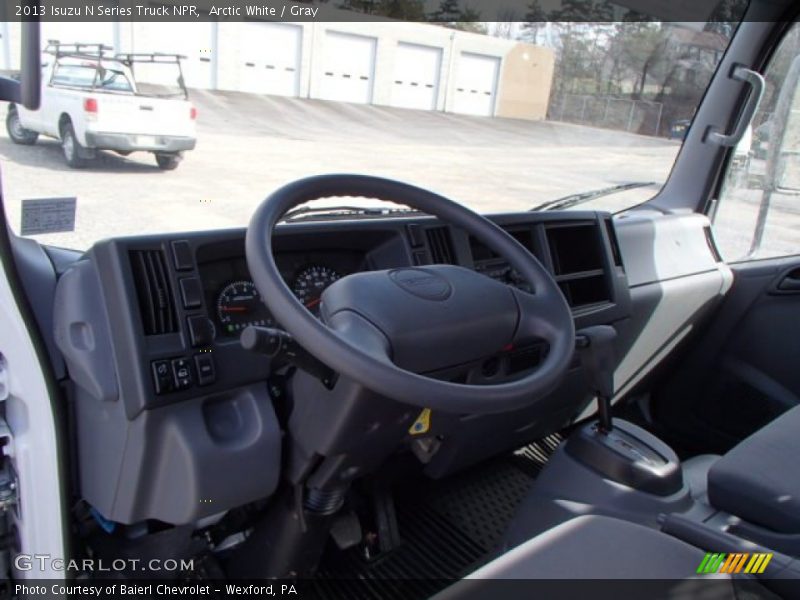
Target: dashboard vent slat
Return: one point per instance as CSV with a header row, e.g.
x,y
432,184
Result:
x,y
153,291
441,246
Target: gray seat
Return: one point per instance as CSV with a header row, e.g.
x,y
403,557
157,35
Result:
x,y
758,480
596,547
592,548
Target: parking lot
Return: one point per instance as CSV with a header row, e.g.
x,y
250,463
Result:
x,y
248,145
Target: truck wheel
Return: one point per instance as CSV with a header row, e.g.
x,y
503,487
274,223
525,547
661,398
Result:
x,y
17,133
168,162
71,147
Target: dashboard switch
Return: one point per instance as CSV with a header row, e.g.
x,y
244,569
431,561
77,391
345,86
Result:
x,y
205,369
182,255
182,373
191,292
201,331
162,376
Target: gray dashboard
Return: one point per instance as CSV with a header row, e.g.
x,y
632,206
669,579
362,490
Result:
x,y
170,411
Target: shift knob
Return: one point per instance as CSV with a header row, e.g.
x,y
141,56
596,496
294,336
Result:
x,y
596,348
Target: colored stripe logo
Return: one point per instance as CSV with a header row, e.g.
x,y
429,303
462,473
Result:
x,y
737,562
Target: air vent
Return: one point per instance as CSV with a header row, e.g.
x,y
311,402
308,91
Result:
x,y
612,238
441,246
579,263
156,304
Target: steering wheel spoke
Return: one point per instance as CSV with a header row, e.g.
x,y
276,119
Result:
x,y
540,318
360,333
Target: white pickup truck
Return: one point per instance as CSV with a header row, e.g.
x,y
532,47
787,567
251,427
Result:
x,y
91,101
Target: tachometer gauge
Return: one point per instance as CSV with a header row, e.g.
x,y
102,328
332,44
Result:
x,y
311,282
239,305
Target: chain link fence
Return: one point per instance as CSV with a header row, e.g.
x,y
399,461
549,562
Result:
x,y
637,116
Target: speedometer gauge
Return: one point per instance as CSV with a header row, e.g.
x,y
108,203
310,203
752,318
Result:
x,y
311,282
239,305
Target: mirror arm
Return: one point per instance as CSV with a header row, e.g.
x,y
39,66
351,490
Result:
x,y
30,91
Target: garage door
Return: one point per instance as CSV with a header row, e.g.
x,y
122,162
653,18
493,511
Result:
x,y
348,70
79,33
195,41
270,58
476,84
416,76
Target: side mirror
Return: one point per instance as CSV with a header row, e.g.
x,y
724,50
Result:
x,y
783,136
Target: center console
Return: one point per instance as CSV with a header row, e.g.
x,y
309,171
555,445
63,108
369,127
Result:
x,y
607,466
628,455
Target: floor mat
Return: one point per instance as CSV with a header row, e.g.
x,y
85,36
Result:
x,y
447,529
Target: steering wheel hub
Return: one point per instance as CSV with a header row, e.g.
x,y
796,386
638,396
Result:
x,y
422,283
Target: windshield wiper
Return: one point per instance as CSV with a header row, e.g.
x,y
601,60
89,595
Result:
x,y
575,199
325,213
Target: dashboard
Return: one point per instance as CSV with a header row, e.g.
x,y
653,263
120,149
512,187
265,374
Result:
x,y
179,302
149,330
170,410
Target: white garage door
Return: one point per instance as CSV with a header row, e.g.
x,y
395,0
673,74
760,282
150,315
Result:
x,y
416,76
195,41
270,58
476,84
348,70
79,33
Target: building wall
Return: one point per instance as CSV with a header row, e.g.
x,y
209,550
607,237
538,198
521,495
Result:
x,y
526,80
522,87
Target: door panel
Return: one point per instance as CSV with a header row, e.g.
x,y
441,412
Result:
x,y
476,84
194,41
349,68
270,61
744,371
416,76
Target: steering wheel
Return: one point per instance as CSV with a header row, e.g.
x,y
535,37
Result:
x,y
387,329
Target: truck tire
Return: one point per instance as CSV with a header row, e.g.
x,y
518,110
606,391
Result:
x,y
17,133
168,162
71,147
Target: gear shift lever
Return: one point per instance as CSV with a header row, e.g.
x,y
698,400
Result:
x,y
596,348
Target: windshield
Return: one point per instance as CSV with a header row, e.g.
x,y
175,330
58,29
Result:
x,y
497,116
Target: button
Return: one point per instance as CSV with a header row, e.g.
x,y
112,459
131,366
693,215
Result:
x,y
205,369
191,292
414,234
162,376
182,255
201,332
182,373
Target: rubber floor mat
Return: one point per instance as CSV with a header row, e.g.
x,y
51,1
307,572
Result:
x,y
447,528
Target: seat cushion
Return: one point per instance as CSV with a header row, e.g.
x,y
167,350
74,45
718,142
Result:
x,y
758,480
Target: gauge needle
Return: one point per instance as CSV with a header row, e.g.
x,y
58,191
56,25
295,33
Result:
x,y
234,309
313,302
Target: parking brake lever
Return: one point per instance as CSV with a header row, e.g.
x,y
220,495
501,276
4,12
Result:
x,y
596,348
280,345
